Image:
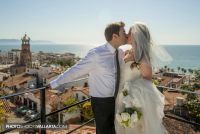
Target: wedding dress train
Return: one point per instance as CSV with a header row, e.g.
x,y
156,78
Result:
x,y
147,96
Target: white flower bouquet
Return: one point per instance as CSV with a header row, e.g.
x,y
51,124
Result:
x,y
131,113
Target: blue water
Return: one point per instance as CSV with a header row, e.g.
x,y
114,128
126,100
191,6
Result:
x,y
185,56
79,50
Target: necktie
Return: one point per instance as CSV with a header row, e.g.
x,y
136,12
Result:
x,y
117,74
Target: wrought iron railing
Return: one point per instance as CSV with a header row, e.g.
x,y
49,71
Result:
x,y
43,115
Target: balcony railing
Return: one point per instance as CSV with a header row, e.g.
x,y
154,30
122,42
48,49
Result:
x,y
43,115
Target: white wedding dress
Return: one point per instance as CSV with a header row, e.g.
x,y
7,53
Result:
x,y
146,95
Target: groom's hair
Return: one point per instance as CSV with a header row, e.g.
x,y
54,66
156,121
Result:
x,y
113,28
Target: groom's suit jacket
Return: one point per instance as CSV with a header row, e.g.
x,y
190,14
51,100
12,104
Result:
x,y
100,65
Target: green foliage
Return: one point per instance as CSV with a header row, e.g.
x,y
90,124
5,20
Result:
x,y
183,70
156,82
132,110
197,75
187,87
69,102
191,89
178,68
196,86
193,101
125,92
64,63
194,107
190,71
2,115
87,111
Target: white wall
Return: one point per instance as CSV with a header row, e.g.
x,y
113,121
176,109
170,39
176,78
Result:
x,y
67,116
33,98
3,75
42,71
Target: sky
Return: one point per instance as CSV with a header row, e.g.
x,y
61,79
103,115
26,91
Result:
x,y
84,21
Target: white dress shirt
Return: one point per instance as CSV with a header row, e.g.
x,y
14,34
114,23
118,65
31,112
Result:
x,y
100,65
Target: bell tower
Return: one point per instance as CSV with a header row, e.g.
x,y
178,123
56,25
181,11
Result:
x,y
25,55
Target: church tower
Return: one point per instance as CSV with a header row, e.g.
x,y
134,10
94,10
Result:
x,y
25,55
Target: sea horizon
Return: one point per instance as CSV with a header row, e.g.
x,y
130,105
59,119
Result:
x,y
184,56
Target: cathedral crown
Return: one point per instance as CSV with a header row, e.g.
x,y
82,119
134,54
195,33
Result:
x,y
25,39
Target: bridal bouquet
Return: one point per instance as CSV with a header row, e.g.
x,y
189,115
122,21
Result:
x,y
131,113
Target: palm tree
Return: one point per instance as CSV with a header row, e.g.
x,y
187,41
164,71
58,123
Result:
x,y
172,70
168,69
191,72
185,71
165,68
182,70
178,69
161,70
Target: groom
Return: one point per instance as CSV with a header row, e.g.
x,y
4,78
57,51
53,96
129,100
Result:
x,y
101,65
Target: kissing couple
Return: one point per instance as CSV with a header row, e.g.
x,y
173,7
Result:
x,y
124,99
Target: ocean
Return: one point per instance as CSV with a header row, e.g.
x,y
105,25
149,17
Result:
x,y
184,56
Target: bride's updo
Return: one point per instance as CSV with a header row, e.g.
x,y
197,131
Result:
x,y
141,35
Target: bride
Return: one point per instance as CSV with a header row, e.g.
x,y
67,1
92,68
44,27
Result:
x,y
136,79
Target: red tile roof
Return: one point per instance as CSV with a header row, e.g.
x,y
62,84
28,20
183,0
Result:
x,y
17,80
165,81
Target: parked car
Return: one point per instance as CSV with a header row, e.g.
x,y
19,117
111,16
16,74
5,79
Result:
x,y
22,110
29,112
32,116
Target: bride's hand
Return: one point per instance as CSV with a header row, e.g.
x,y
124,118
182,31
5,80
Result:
x,y
129,56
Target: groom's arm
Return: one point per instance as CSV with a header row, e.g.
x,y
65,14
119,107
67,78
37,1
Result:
x,y
83,67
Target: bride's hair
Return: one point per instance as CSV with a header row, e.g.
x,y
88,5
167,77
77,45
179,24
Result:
x,y
141,35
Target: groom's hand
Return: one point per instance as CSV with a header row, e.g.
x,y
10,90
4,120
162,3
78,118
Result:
x,y
48,86
129,56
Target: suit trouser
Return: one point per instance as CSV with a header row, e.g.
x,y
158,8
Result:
x,y
104,110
